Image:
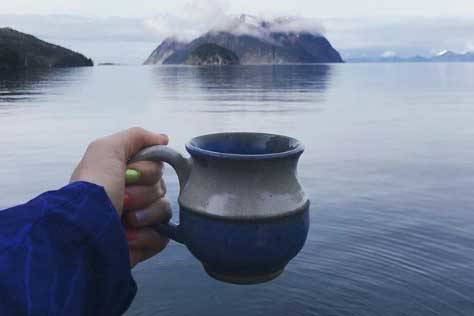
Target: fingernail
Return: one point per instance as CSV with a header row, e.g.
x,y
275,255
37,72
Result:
x,y
126,200
163,134
141,216
132,176
130,235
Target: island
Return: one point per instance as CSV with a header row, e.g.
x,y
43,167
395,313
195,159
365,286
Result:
x,y
253,41
20,50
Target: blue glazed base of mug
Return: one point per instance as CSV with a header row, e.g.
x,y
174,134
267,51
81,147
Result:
x,y
243,279
244,252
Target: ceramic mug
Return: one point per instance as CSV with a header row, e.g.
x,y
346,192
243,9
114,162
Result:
x,y
243,213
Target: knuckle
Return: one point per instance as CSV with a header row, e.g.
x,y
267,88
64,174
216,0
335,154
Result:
x,y
157,168
136,130
151,173
166,209
163,188
131,219
159,175
166,205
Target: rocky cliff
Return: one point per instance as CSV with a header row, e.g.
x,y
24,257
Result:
x,y
211,54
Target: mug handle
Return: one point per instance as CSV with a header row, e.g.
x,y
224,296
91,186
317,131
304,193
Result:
x,y
181,165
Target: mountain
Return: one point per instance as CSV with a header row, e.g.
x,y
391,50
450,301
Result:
x,y
254,42
20,50
443,56
449,56
167,48
211,54
391,59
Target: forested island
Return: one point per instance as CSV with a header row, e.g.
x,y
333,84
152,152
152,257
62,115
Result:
x,y
19,50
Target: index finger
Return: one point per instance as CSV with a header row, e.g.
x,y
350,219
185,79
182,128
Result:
x,y
144,173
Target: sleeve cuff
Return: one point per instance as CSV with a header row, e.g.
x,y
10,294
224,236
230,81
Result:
x,y
91,218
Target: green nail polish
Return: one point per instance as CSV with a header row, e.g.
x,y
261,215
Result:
x,y
132,176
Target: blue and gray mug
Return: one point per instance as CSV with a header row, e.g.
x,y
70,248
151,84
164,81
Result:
x,y
243,213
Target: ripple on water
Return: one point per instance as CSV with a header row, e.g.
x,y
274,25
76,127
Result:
x,y
388,164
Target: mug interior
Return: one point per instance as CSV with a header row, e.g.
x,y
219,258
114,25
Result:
x,y
244,145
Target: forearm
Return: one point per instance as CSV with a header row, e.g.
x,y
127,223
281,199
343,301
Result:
x,y
64,253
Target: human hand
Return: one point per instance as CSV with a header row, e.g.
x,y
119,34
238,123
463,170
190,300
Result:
x,y
105,164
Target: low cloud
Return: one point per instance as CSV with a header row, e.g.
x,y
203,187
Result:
x,y
197,18
297,24
262,27
189,21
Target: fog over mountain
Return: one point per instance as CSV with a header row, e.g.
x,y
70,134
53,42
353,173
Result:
x,y
197,24
255,41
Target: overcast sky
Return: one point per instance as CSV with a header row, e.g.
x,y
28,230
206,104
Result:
x,y
314,8
102,29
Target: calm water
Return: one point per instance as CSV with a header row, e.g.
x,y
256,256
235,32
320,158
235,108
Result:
x,y
389,166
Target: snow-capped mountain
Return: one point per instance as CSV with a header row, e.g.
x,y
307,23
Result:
x,y
443,53
450,56
442,56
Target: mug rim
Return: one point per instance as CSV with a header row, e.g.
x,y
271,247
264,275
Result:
x,y
197,151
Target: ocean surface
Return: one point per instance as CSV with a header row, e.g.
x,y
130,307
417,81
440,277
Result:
x,y
389,167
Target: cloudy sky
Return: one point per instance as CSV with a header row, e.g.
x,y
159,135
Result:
x,y
333,8
126,31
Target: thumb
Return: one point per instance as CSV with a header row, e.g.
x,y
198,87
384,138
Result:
x,y
136,138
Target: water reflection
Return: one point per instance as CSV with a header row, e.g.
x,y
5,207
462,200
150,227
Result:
x,y
297,78
249,88
29,85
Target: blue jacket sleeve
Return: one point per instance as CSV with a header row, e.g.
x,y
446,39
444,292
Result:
x,y
64,253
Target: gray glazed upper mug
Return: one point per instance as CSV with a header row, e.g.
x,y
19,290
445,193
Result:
x,y
243,213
